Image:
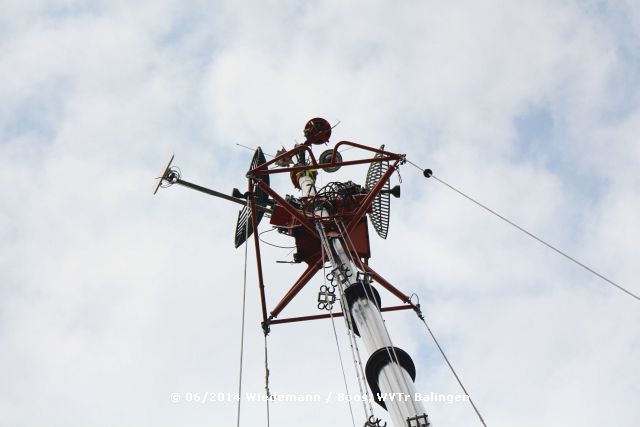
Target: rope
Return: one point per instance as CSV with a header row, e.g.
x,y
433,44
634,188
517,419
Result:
x,y
446,359
335,334
344,375
244,299
353,344
355,356
549,245
266,377
343,231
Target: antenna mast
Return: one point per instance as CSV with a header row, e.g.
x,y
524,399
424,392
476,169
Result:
x,y
390,370
331,224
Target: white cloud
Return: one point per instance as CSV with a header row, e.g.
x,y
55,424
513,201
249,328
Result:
x,y
112,299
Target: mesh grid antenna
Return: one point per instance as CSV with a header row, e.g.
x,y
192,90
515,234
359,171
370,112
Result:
x,y
244,227
381,206
165,170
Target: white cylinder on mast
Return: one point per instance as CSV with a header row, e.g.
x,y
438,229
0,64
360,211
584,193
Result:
x,y
388,368
306,184
401,406
392,382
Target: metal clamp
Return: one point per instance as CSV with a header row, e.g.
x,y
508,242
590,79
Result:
x,y
363,277
418,421
326,297
342,273
374,422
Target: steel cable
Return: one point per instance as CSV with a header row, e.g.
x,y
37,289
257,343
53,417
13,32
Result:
x,y
455,374
429,173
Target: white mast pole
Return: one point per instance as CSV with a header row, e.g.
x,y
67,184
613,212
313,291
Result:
x,y
389,369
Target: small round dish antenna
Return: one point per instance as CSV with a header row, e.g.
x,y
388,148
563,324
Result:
x,y
164,174
325,157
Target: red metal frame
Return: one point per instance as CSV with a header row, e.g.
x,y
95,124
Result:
x,y
388,286
290,153
262,170
336,314
297,287
291,209
377,277
256,240
315,263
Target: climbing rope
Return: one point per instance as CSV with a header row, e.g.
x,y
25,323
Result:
x,y
266,377
357,360
335,334
244,300
429,174
353,344
391,352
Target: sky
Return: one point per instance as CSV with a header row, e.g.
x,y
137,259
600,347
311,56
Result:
x,y
113,300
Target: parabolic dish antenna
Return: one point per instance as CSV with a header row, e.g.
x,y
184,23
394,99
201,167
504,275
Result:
x,y
244,228
381,206
165,170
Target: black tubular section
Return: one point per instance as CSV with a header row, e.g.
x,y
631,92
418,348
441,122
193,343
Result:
x,y
381,358
359,290
244,227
